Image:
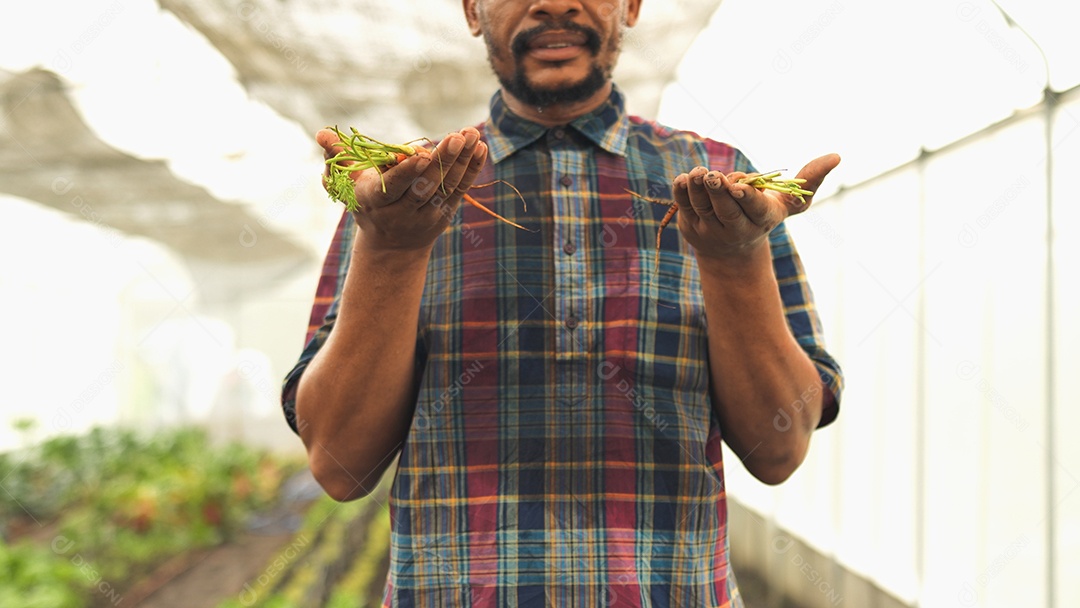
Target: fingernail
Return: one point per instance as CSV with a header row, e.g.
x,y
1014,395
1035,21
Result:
x,y
713,183
455,145
737,193
470,138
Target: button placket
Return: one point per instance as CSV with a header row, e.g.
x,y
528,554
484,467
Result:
x,y
569,206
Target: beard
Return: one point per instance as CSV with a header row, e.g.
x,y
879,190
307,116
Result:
x,y
518,84
520,87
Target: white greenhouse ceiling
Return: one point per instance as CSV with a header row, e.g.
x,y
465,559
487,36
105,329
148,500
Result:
x,y
226,94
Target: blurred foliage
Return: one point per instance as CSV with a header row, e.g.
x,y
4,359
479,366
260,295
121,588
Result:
x,y
34,576
84,517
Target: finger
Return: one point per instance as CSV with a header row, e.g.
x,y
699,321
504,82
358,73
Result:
x,y
815,171
753,205
681,194
727,210
699,197
734,184
328,141
454,175
442,159
476,164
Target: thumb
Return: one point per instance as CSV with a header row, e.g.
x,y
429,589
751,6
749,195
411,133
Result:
x,y
815,171
328,141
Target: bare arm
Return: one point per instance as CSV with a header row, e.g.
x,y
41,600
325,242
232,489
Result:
x,y
355,400
758,371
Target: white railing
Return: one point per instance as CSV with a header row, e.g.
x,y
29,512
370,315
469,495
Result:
x,y
948,292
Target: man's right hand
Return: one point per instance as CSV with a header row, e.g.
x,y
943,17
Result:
x,y
355,401
422,195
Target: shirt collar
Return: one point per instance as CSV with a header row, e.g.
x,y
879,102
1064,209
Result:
x,y
607,126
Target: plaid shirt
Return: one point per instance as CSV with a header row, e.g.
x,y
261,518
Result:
x,y
564,450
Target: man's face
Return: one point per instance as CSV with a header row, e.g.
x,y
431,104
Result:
x,y
552,52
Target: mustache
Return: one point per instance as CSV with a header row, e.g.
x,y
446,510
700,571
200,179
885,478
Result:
x,y
520,44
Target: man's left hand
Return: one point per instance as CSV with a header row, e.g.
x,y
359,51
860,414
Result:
x,y
723,219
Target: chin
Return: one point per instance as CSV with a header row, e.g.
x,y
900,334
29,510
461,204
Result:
x,y
547,89
555,86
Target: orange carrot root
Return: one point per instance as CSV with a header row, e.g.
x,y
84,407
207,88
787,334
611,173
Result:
x,y
472,201
524,204
663,224
672,210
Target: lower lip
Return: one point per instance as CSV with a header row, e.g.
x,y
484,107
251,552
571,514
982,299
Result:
x,y
556,54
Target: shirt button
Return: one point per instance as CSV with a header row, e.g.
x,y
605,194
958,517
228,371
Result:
x,y
571,322
566,180
559,133
569,248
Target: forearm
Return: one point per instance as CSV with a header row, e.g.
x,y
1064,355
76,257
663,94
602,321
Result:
x,y
355,400
766,390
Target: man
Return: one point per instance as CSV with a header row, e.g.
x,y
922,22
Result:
x,y
556,399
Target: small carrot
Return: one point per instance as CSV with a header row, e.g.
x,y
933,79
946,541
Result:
x,y
672,209
472,201
361,152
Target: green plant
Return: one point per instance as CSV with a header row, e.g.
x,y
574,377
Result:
x,y
37,577
359,152
772,181
125,502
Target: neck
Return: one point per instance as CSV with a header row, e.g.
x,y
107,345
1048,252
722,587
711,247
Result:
x,y
558,114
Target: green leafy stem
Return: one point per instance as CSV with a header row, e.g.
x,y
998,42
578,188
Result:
x,y
359,152
769,181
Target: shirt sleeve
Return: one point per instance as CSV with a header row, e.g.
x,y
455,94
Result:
x,y
802,316
323,311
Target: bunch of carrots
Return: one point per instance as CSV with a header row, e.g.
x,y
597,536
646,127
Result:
x,y
360,152
761,181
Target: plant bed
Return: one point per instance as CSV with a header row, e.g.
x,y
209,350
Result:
x,y
113,510
339,558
